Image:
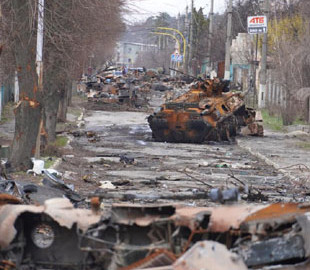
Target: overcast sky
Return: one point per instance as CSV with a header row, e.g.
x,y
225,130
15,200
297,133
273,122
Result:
x,y
146,8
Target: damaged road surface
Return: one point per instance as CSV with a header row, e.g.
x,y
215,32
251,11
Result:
x,y
123,163
127,236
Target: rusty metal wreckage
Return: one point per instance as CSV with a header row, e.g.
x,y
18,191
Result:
x,y
209,111
58,236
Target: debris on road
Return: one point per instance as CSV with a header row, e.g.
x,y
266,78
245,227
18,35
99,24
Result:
x,y
111,89
107,185
228,195
110,86
38,166
126,159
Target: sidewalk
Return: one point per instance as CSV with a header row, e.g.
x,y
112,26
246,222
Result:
x,y
287,152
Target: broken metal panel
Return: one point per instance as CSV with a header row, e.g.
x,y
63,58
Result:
x,y
141,215
209,255
9,199
63,212
130,235
170,267
160,258
298,266
60,210
278,234
273,215
304,224
222,219
226,218
271,251
286,211
191,217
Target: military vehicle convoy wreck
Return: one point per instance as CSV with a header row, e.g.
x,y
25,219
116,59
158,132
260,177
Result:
x,y
207,112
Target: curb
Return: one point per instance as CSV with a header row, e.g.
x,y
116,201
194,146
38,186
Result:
x,y
266,160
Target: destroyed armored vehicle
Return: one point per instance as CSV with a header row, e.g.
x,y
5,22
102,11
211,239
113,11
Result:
x,y
209,111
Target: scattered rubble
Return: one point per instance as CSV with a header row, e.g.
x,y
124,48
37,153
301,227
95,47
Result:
x,y
112,88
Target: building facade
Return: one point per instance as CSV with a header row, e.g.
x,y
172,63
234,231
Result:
x,y
128,52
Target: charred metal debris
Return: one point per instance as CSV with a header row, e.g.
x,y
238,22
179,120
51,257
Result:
x,y
130,87
55,235
209,111
205,110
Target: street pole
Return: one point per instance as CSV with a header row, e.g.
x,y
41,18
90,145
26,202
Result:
x,y
186,22
1,67
39,64
170,35
191,40
39,54
263,72
211,16
182,36
228,41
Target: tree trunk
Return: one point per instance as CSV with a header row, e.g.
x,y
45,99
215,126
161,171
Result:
x,y
27,122
288,113
28,111
63,104
70,93
50,117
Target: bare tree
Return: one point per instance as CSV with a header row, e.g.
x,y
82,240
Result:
x,y
20,20
73,29
290,52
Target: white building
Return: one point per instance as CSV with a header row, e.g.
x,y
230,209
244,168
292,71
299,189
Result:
x,y
127,52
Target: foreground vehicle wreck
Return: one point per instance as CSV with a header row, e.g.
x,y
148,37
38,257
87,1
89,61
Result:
x,y
57,236
33,237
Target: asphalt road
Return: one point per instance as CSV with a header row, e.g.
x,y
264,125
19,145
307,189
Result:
x,y
123,163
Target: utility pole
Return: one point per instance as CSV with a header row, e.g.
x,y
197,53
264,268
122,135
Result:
x,y
228,41
39,54
211,17
186,22
39,63
263,72
191,41
1,66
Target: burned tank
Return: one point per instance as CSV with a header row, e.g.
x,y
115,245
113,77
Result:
x,y
209,111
